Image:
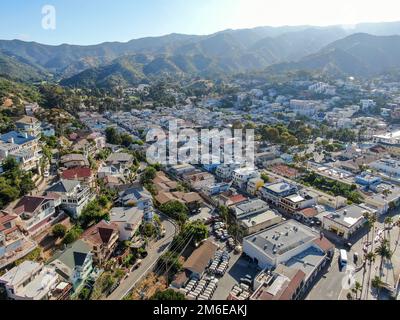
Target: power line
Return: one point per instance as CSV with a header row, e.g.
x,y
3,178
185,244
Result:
x,y
183,241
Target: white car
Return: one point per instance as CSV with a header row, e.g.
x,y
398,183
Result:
x,y
46,174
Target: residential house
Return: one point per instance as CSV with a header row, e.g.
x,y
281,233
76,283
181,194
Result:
x,y
31,109
87,147
113,182
110,171
74,195
74,161
13,244
25,149
36,213
103,239
163,183
199,180
30,281
121,161
29,125
191,199
137,196
82,174
75,263
128,221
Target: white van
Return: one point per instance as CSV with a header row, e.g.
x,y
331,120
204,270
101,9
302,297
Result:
x,y
343,257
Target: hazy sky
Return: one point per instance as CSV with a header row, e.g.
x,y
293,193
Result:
x,y
94,21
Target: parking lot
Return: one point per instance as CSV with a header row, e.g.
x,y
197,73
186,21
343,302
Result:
x,y
204,214
238,268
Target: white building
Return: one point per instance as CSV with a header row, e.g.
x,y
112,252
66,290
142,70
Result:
x,y
367,104
128,221
323,88
243,175
225,171
30,281
389,167
280,243
346,221
306,107
74,195
25,149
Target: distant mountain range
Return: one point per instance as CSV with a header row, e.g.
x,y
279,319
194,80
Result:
x,y
362,50
360,54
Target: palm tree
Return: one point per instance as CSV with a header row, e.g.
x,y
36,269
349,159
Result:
x,y
388,224
398,236
357,288
370,257
371,220
377,283
384,252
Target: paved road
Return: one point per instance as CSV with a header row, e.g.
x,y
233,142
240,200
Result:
x,y
154,252
329,286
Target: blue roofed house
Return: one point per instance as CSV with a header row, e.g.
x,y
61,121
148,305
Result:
x,y
23,148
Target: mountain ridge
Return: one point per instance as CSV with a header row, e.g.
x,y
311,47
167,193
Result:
x,y
227,51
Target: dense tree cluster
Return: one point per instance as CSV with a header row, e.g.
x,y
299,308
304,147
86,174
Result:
x,y
333,187
14,182
168,295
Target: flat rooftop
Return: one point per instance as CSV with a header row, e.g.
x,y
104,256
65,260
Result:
x,y
306,261
295,198
279,187
251,206
259,218
348,216
282,238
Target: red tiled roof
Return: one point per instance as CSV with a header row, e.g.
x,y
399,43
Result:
x,y
237,198
293,285
76,173
309,212
324,244
28,204
4,218
100,233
